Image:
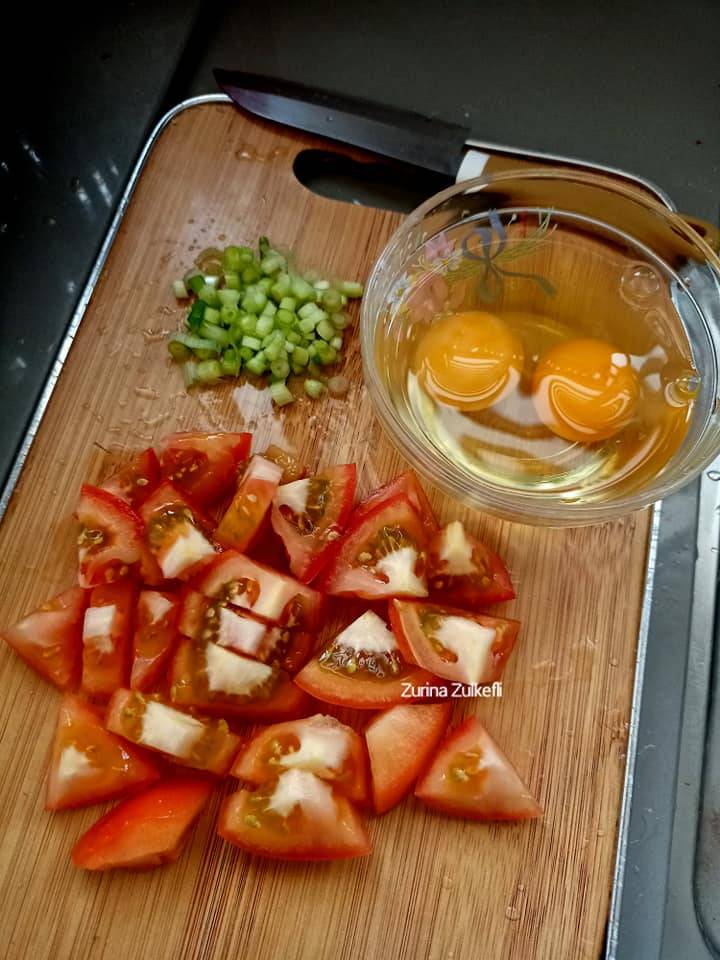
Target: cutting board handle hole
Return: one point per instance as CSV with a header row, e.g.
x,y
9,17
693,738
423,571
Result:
x,y
380,184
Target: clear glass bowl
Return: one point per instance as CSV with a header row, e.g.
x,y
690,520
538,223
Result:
x,y
650,246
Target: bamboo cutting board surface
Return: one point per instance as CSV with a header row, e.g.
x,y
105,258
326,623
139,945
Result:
x,y
434,887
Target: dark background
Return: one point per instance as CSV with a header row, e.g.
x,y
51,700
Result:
x,y
635,85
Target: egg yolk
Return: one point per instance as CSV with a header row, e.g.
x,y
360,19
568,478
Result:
x,y
468,360
585,390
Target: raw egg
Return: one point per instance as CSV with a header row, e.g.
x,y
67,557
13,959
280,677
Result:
x,y
585,390
468,360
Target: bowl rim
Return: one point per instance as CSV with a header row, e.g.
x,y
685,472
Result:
x,y
519,506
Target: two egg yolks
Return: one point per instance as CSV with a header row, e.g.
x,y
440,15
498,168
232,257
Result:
x,y
583,390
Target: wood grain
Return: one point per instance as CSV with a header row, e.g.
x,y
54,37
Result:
x,y
434,888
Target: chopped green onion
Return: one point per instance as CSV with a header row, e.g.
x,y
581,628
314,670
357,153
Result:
x,y
322,285
178,351
263,246
196,315
331,301
209,371
284,317
338,386
300,357
269,310
314,388
351,288
293,336
196,281
217,335
192,342
209,295
307,311
252,342
264,325
229,315
229,298
280,368
325,353
272,263
189,372
179,289
232,259
281,287
254,301
232,280
336,342
248,324
257,364
280,394
340,320
307,325
288,303
302,290
274,350
230,362
325,329
211,315
264,285
246,354
311,276
250,274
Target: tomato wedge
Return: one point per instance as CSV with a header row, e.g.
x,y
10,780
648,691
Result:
x,y
464,572
471,648
320,744
135,481
296,817
285,647
50,639
220,681
244,517
406,485
155,636
107,631
400,742
471,777
177,532
309,515
90,765
189,741
144,831
110,539
363,668
292,469
203,465
381,555
270,595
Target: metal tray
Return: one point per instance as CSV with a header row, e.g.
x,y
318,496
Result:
x,y
666,899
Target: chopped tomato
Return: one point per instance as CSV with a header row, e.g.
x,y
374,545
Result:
x,y
285,647
471,648
320,744
363,668
134,482
177,532
465,572
309,516
89,764
296,817
220,681
107,631
189,741
381,555
407,485
471,777
244,517
155,636
272,596
50,639
144,831
110,539
400,742
204,465
292,469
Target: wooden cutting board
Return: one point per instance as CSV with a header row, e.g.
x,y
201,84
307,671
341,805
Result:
x,y
434,887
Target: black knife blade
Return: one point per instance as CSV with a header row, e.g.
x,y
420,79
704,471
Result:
x,y
424,142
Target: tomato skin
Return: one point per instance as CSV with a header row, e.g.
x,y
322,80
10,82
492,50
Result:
x,y
285,702
136,480
243,519
344,575
362,694
338,838
407,485
106,665
203,465
417,647
494,792
272,596
146,830
468,591
253,766
308,553
117,766
121,533
400,742
292,469
154,640
49,640
218,761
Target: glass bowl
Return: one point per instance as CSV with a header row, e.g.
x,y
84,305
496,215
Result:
x,y
657,270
